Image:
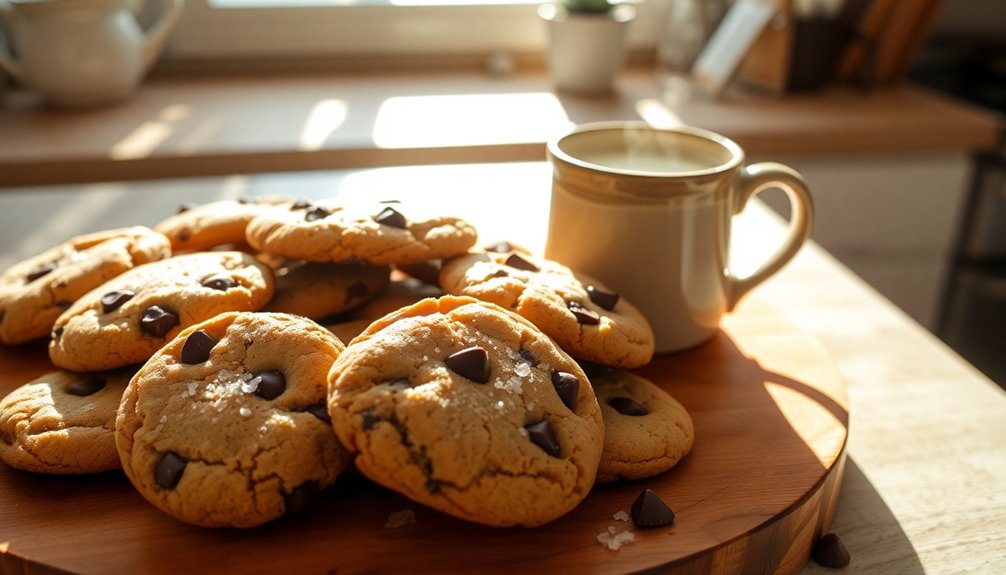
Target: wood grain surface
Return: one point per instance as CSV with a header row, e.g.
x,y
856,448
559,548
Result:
x,y
761,484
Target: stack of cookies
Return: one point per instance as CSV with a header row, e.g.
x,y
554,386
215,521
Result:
x,y
486,383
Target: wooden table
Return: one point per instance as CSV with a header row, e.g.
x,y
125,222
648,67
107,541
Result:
x,y
922,490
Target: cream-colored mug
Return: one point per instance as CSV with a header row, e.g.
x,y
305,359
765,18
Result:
x,y
648,212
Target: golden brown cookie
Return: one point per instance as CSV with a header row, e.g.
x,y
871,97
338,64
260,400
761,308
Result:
x,y
470,409
202,226
320,290
34,292
127,319
646,431
63,422
226,426
379,233
586,319
399,293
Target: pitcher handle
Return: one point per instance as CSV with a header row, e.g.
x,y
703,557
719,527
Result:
x,y
158,33
754,179
6,59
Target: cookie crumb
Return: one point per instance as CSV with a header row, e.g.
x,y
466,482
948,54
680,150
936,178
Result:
x,y
620,516
614,540
400,519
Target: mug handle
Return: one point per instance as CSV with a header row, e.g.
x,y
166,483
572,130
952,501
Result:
x,y
158,33
7,61
754,179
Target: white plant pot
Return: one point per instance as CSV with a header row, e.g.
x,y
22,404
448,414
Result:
x,y
586,51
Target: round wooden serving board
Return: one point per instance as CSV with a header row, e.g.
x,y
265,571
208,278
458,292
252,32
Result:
x,y
761,484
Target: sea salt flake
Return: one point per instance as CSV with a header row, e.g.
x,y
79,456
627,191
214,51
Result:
x,y
400,519
163,419
621,516
522,369
613,540
263,430
245,412
249,383
190,389
530,406
500,404
522,431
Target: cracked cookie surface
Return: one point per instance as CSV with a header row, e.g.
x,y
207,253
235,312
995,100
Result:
x,y
226,425
34,292
63,422
647,431
128,318
320,290
378,233
203,226
468,408
584,318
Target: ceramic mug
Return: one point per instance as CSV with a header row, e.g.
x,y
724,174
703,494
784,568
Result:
x,y
648,212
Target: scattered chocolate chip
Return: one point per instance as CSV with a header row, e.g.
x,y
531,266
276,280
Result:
x,y
529,357
86,387
541,434
567,386
300,496
185,206
271,384
319,410
58,331
357,290
498,274
499,247
604,298
113,300
390,217
471,362
400,383
220,282
582,314
168,471
300,204
830,551
649,510
316,213
197,347
158,321
39,272
370,419
518,261
628,406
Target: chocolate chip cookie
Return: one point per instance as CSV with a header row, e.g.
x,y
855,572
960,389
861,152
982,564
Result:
x,y
227,426
378,233
202,226
469,409
646,431
586,319
63,422
320,290
127,319
398,294
34,292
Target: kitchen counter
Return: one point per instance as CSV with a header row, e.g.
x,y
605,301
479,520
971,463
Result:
x,y
922,489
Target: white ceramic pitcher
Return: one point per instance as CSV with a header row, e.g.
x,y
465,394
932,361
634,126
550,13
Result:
x,y
82,52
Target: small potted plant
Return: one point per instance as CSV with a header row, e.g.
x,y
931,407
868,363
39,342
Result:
x,y
586,43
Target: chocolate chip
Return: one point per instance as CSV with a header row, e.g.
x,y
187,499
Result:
x,y
58,331
649,510
158,321
370,419
300,496
390,217
271,384
113,300
604,298
63,304
39,272
220,282
300,204
197,347
168,471
541,434
500,247
471,362
529,357
499,274
86,387
319,410
316,213
582,314
628,406
357,290
185,206
518,261
830,551
567,386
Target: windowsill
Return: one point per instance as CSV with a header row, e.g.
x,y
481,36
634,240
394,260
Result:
x,y
197,125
